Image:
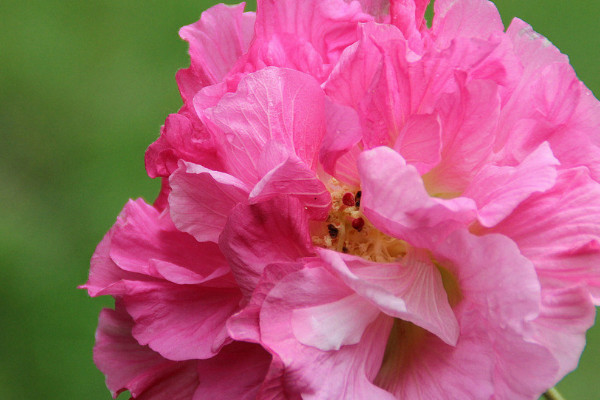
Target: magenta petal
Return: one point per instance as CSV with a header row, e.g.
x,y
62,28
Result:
x,y
236,373
202,199
272,104
292,177
146,242
269,232
181,322
499,190
394,199
131,366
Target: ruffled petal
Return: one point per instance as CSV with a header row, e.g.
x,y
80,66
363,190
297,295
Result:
x,y
131,366
236,373
272,104
180,322
499,190
394,199
201,199
216,41
411,290
269,232
292,177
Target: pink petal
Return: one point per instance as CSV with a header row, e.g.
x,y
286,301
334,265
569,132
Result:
x,y
217,40
342,134
105,276
466,18
146,242
395,201
328,314
411,290
269,232
469,119
565,317
419,142
180,322
293,178
421,366
271,104
559,230
329,26
499,190
237,372
312,373
202,199
500,284
131,366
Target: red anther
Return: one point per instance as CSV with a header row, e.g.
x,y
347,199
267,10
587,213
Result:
x,y
358,223
348,199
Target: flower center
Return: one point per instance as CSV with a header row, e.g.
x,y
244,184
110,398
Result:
x,y
347,230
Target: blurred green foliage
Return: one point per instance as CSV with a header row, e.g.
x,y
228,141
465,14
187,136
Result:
x,y
84,88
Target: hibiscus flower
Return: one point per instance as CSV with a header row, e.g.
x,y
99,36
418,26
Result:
x,y
358,206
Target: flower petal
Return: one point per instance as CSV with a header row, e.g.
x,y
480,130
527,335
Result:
x,y
499,190
292,177
411,290
131,366
271,104
180,322
269,232
395,201
201,199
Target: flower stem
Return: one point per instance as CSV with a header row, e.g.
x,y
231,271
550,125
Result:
x,y
553,394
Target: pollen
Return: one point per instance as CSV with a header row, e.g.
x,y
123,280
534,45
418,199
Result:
x,y
347,230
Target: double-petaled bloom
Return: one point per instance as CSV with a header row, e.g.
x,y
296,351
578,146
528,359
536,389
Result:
x,y
358,206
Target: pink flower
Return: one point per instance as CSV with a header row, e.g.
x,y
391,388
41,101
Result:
x,y
358,206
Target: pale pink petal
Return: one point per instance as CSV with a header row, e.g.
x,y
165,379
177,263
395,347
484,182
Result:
x,y
411,290
466,18
245,324
343,132
236,373
499,190
312,373
420,366
501,285
202,199
293,178
216,41
419,142
394,199
565,316
271,104
269,232
131,366
469,120
146,242
180,322
559,230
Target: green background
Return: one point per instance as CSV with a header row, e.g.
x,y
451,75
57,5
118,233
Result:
x,y
84,88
